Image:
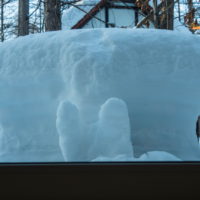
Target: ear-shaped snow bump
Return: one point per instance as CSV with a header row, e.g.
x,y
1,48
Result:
x,y
68,127
113,135
1,135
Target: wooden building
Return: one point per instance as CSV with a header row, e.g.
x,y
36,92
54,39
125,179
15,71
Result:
x,y
102,14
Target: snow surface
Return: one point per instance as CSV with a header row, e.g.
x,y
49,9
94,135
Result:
x,y
99,95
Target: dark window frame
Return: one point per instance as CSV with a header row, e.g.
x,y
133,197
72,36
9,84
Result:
x,y
96,180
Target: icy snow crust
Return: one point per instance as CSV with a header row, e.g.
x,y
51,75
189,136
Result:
x,y
100,95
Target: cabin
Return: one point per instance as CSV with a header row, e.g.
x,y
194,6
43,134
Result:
x,y
104,14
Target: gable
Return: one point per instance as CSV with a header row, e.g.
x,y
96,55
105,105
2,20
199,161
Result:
x,y
75,13
83,12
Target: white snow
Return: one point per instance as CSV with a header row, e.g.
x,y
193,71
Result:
x,y
113,135
68,127
178,26
100,94
149,156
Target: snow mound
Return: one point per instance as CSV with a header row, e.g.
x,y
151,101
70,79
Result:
x,y
68,124
80,95
149,156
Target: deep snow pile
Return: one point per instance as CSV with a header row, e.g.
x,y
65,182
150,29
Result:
x,y
104,94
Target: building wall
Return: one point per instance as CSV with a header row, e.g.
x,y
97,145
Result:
x,y
119,17
122,17
94,23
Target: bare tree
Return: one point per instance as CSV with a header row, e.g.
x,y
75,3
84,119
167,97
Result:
x,y
3,3
190,4
189,18
23,18
52,15
36,17
191,12
155,11
2,20
167,17
179,10
162,15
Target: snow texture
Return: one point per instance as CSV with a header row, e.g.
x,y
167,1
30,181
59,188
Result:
x,y
100,94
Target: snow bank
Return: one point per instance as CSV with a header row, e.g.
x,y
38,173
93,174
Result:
x,y
84,95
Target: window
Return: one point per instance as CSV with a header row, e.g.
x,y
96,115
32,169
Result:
x,y
90,95
99,112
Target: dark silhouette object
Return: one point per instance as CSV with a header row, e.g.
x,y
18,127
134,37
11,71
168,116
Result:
x,y
198,128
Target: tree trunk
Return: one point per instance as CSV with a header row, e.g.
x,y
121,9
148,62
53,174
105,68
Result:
x,y
41,19
155,10
191,12
2,20
52,15
23,18
167,18
190,4
179,11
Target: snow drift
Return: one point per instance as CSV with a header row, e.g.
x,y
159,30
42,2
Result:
x,y
103,94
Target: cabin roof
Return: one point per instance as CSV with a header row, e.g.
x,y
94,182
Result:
x,y
78,15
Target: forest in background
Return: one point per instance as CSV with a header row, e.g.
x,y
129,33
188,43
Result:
x,y
23,17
